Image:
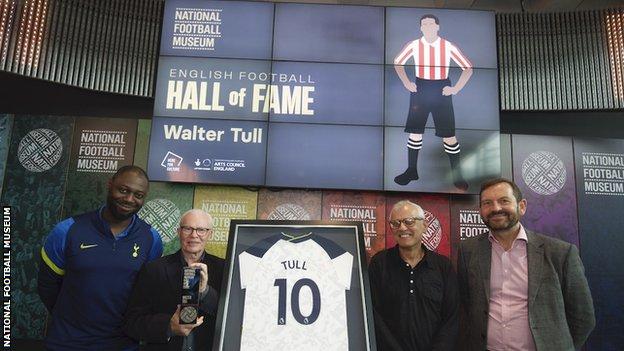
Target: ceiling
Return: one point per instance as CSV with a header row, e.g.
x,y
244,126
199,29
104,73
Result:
x,y
502,6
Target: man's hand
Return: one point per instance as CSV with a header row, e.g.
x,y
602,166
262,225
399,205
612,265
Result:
x,y
407,83
463,79
446,91
203,280
411,86
182,329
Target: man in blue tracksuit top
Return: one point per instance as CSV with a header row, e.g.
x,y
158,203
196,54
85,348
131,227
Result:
x,y
88,266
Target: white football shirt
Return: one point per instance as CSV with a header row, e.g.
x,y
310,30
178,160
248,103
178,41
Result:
x,y
295,294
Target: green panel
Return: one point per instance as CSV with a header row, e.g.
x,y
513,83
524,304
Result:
x,y
142,143
165,204
35,180
101,146
6,123
224,203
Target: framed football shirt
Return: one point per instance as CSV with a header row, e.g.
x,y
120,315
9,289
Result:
x,y
295,285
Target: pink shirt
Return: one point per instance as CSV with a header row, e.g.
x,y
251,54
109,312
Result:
x,y
508,324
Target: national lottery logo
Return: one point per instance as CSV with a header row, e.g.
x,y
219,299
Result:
x,y
544,173
432,237
202,164
40,150
289,212
163,215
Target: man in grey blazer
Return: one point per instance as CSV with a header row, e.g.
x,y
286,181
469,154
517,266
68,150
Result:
x,y
520,290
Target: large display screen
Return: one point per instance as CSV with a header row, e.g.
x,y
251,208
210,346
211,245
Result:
x,y
322,156
207,151
333,96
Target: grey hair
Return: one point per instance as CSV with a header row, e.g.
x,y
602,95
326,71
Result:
x,y
410,204
200,212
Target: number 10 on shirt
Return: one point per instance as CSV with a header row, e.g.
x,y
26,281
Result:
x,y
295,307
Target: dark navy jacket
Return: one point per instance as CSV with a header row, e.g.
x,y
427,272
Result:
x,y
86,277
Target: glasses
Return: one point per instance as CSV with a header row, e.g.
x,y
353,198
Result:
x,y
409,222
189,230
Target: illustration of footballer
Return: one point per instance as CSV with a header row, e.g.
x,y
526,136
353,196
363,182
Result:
x,y
431,93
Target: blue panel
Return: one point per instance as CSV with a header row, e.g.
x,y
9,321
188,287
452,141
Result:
x,y
480,160
233,29
324,156
472,32
204,88
342,93
207,151
600,195
328,33
475,106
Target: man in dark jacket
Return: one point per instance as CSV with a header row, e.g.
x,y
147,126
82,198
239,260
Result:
x,y
153,312
520,290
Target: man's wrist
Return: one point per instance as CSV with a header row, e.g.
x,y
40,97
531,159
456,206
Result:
x,y
169,332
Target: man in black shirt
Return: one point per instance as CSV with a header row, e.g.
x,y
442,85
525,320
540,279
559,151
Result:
x,y
414,290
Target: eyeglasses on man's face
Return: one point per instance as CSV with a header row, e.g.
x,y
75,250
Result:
x,y
186,230
409,222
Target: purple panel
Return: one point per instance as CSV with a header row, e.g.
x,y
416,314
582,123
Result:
x,y
543,168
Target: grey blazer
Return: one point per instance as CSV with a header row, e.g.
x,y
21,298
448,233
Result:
x,y
561,311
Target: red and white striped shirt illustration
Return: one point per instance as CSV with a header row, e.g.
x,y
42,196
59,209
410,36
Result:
x,y
432,61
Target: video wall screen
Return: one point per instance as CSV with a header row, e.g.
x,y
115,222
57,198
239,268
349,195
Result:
x,y
207,151
226,29
326,96
329,33
321,156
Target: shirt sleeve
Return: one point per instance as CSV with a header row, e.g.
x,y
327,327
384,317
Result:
x,y
405,54
53,250
157,246
448,329
343,265
579,306
247,263
460,59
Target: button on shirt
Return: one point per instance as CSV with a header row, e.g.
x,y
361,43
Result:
x,y
508,324
415,308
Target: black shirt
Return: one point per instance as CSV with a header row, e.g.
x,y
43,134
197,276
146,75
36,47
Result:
x,y
416,309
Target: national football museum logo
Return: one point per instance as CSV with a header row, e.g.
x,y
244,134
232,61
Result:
x,y
40,150
544,173
163,215
289,212
432,237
